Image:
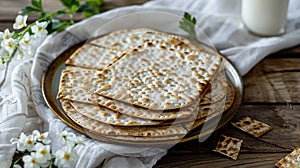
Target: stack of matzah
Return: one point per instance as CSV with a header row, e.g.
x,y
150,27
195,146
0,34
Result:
x,y
142,85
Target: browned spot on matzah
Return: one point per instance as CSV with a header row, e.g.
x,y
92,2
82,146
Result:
x,y
292,160
229,146
251,126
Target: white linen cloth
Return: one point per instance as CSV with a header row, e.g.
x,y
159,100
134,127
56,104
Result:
x,y
23,108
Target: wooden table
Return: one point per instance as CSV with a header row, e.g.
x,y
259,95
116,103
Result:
x,y
272,95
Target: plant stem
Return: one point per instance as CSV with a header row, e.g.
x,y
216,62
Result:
x,y
15,162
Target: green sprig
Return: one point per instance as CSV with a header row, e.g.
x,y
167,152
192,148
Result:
x,y
188,23
87,8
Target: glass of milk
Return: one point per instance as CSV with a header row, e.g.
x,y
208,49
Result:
x,y
265,17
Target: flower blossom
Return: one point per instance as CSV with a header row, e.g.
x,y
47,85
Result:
x,y
20,22
24,142
5,35
25,47
39,29
42,153
30,161
65,157
41,137
9,45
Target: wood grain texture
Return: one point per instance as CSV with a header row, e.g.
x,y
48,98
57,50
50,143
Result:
x,y
283,119
275,144
274,80
215,160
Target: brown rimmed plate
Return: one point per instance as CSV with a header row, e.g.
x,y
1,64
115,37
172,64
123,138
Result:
x,y
50,83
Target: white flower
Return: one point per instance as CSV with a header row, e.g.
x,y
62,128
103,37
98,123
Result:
x,y
9,45
20,22
76,140
25,48
39,29
71,138
25,143
30,161
65,157
41,137
42,153
66,134
5,35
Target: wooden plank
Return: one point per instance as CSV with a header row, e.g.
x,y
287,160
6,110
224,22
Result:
x,y
282,138
5,25
245,160
274,80
255,152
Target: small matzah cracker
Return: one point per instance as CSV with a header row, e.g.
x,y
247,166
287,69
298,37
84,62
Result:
x,y
129,39
78,84
159,76
110,130
107,116
291,160
94,57
251,126
229,146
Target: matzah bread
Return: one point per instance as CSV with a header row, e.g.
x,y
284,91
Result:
x,y
78,84
112,116
145,139
291,160
142,112
205,116
205,110
252,126
217,91
94,57
158,76
107,116
129,39
109,130
229,146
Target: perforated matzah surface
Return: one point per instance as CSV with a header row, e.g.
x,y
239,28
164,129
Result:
x,y
158,76
94,57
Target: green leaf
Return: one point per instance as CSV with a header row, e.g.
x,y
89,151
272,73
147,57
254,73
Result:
x,y
91,7
187,16
73,9
57,26
29,10
95,3
187,24
87,14
70,3
37,3
60,13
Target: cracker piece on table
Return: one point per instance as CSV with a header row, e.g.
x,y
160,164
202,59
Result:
x,y
252,126
229,146
291,160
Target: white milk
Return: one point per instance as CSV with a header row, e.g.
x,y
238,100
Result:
x,y
265,17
